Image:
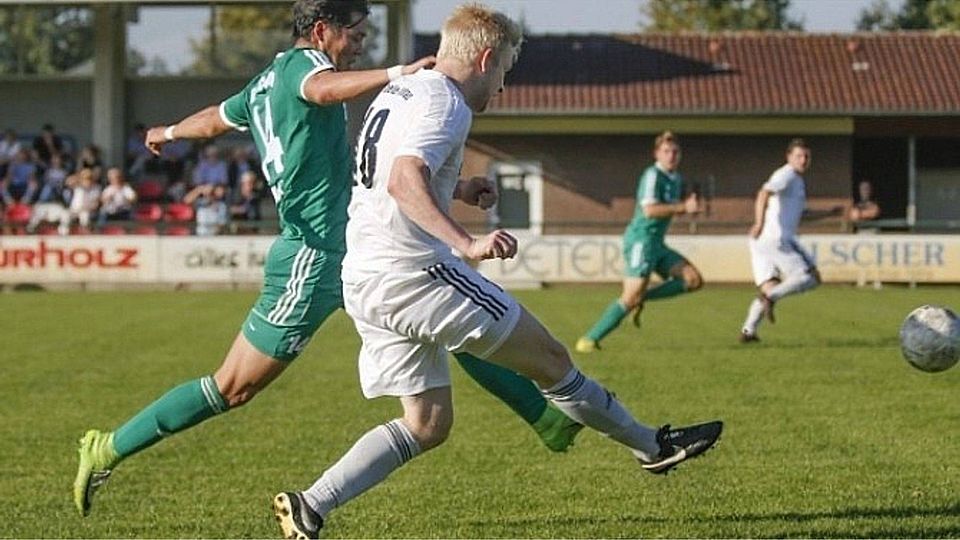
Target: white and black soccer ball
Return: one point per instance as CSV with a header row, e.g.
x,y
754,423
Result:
x,y
930,338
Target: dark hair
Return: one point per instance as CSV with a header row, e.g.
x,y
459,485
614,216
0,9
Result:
x,y
306,13
797,143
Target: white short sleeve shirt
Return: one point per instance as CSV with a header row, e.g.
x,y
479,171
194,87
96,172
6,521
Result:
x,y
422,115
786,204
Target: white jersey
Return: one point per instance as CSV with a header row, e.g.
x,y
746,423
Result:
x,y
786,204
422,115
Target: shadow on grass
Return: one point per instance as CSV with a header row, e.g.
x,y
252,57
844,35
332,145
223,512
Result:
x,y
854,522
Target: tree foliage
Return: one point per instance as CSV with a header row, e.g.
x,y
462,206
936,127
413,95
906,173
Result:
x,y
41,40
242,40
912,15
719,15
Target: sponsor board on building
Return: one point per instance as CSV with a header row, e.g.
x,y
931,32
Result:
x,y
551,258
840,258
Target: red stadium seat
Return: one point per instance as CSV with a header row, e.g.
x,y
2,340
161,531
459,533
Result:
x,y
149,190
178,213
177,230
18,214
47,229
113,230
148,213
148,230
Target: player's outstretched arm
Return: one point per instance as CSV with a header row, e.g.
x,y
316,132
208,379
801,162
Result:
x,y
329,87
408,185
759,212
203,124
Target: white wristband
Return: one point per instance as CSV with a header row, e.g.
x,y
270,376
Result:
x,y
395,72
168,133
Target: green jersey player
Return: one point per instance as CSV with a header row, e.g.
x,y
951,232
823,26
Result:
x,y
644,249
295,112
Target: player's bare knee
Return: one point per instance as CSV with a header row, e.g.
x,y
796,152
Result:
x,y
555,365
692,280
630,300
237,395
430,431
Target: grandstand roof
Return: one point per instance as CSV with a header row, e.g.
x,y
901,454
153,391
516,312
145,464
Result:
x,y
869,74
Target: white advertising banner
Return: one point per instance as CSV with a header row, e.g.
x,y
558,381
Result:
x,y
840,258
213,259
79,259
239,259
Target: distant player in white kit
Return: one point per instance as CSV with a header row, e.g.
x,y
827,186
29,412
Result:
x,y
414,302
781,267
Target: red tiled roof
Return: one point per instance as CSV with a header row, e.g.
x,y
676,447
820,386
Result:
x,y
914,73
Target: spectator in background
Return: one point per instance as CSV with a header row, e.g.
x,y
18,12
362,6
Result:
x,y
54,195
53,188
84,201
245,202
137,154
47,144
90,158
117,199
240,164
210,206
173,158
211,170
9,146
20,182
864,207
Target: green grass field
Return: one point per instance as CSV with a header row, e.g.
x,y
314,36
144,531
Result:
x,y
829,433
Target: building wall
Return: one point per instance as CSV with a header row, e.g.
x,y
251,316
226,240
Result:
x,y
591,180
65,103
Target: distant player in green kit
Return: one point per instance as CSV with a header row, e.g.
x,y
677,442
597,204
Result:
x,y
644,248
295,112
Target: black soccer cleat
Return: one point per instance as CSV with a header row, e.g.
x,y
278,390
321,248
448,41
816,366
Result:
x,y
297,520
680,444
747,337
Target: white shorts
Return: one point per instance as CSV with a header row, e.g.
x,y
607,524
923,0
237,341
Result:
x,y
777,258
410,321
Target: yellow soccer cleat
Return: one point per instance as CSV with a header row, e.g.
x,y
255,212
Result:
x,y
586,345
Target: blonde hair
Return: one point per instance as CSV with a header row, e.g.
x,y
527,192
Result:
x,y
664,138
471,28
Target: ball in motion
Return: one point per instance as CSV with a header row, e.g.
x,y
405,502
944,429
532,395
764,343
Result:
x,y
930,338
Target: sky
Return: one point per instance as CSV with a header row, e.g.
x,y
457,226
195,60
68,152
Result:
x,y
153,34
577,16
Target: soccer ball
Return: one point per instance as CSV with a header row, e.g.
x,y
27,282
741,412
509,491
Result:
x,y
930,338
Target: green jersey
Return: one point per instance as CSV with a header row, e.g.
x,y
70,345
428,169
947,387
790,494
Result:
x,y
303,147
656,186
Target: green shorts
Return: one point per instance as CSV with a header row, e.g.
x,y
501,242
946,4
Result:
x,y
301,288
641,257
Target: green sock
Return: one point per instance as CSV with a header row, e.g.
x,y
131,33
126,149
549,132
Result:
x,y
666,289
185,406
518,392
610,319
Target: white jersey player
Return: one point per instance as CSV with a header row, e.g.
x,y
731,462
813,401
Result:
x,y
780,265
413,302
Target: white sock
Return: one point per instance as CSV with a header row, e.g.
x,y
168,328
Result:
x,y
372,458
584,400
793,285
754,316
